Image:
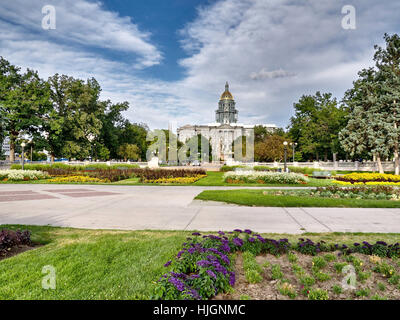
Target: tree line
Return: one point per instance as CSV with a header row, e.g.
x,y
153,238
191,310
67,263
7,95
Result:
x,y
365,124
66,117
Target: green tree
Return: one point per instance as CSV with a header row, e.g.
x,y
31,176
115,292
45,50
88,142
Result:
x,y
316,125
129,151
113,124
134,133
24,100
364,134
271,149
374,119
74,123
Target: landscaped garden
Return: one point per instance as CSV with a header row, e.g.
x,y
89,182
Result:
x,y
333,196
108,264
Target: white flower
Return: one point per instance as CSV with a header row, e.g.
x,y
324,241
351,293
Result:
x,y
20,175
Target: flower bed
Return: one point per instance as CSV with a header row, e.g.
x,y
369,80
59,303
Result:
x,y
361,192
10,239
21,175
183,180
369,177
78,179
204,267
262,177
155,174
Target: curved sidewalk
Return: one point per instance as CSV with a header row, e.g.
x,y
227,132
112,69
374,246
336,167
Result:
x,y
173,208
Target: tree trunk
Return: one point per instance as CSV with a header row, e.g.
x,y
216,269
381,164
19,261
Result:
x,y
12,151
396,155
378,160
326,156
52,158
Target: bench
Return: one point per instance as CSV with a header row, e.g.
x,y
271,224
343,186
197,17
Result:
x,y
321,174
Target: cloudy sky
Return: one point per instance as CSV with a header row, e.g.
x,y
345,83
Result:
x,y
170,58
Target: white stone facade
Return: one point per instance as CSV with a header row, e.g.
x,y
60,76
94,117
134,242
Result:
x,y
222,133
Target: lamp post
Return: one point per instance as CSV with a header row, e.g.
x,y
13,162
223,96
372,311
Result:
x,y
23,160
293,144
285,158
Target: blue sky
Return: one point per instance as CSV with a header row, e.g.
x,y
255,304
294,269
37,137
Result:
x,y
170,58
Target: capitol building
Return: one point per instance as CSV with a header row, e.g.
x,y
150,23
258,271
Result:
x,y
224,131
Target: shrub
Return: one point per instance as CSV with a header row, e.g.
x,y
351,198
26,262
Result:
x,y
307,281
368,177
276,272
287,289
318,294
364,292
251,268
337,289
21,175
265,177
10,238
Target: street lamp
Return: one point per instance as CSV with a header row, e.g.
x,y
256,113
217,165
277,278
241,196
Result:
x,y
293,144
23,146
285,145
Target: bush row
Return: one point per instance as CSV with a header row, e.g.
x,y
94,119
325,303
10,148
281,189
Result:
x,y
21,175
46,167
155,174
264,177
369,177
204,267
10,238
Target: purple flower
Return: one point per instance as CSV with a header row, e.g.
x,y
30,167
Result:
x,y
211,274
180,253
252,239
238,242
221,233
191,250
221,269
225,258
167,264
195,276
238,230
196,234
177,283
247,231
231,278
203,263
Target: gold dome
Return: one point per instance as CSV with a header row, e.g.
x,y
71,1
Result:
x,y
226,95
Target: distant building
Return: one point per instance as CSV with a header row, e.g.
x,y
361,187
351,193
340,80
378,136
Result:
x,y
224,131
5,147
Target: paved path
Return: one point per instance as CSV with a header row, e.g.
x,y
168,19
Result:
x,y
173,208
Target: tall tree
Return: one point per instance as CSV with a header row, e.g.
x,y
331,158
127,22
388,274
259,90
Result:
x,y
316,125
374,120
388,64
24,99
74,123
365,132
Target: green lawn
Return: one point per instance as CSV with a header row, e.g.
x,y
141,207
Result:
x,y
258,199
90,264
109,264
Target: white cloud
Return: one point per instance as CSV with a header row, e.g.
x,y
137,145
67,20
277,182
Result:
x,y
291,47
264,74
85,23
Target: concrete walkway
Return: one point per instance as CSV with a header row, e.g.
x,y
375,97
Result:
x,y
173,208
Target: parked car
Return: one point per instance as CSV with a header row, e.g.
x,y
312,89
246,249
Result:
x,y
196,163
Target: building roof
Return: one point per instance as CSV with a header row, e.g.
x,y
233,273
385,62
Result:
x,y
226,95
